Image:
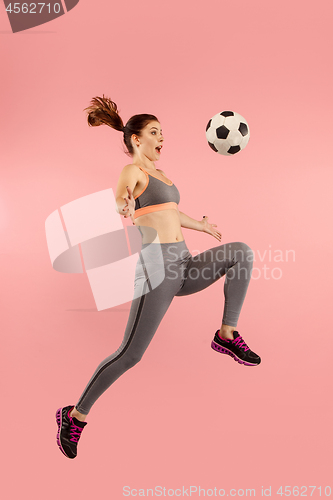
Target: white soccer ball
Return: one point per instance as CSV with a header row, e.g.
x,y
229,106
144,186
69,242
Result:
x,y
227,133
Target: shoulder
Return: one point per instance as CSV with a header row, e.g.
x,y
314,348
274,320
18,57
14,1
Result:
x,y
132,170
130,166
129,176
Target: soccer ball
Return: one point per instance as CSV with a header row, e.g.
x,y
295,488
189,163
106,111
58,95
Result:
x,y
227,133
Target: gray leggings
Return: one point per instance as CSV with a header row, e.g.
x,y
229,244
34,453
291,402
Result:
x,y
168,270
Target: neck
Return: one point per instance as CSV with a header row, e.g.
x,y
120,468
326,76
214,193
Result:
x,y
143,161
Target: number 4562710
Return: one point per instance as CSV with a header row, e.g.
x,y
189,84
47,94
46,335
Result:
x,y
24,8
302,491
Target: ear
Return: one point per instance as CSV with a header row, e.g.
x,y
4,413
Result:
x,y
135,139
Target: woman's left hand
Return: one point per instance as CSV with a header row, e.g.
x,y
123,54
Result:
x,y
209,228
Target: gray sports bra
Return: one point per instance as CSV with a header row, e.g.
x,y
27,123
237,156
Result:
x,y
156,195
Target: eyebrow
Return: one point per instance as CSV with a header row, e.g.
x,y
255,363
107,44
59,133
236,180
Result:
x,y
156,128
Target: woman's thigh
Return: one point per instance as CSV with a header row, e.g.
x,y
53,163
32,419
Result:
x,y
157,280
207,267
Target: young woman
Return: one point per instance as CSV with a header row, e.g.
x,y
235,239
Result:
x,y
165,267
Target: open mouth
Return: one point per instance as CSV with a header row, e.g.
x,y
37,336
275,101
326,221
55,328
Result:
x,y
158,149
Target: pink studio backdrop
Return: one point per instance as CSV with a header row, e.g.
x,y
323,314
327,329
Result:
x,y
184,416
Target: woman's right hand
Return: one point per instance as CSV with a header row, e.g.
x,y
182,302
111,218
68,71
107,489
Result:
x,y
130,204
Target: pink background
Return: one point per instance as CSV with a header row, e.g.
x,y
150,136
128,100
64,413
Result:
x,y
185,415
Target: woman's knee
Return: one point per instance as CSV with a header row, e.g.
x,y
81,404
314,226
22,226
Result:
x,y
243,252
131,360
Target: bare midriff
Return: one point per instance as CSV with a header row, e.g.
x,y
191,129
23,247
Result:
x,y
165,222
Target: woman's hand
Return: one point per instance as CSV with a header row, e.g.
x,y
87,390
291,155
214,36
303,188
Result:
x,y
209,228
130,205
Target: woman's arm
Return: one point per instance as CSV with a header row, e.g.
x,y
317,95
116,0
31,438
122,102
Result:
x,y
202,225
189,223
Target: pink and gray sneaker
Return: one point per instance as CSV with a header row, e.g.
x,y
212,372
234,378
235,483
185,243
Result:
x,y
236,348
69,431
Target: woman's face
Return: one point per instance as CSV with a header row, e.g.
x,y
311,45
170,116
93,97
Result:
x,y
150,141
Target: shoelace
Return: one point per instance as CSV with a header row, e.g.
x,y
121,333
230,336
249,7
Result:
x,y
239,342
75,432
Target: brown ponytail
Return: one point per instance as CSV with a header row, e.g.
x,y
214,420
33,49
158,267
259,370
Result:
x,y
104,111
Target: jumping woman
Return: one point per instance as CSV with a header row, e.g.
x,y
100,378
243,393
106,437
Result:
x,y
165,267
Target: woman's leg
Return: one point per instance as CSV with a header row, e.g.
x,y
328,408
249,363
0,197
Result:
x,y
235,260
155,288
145,316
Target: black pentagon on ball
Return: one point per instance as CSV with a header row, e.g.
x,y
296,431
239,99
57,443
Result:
x,y
243,129
227,113
212,146
222,132
233,149
208,124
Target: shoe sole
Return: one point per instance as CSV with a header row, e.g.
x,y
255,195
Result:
x,y
224,350
59,422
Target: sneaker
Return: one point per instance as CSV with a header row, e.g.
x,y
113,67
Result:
x,y
236,348
69,431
